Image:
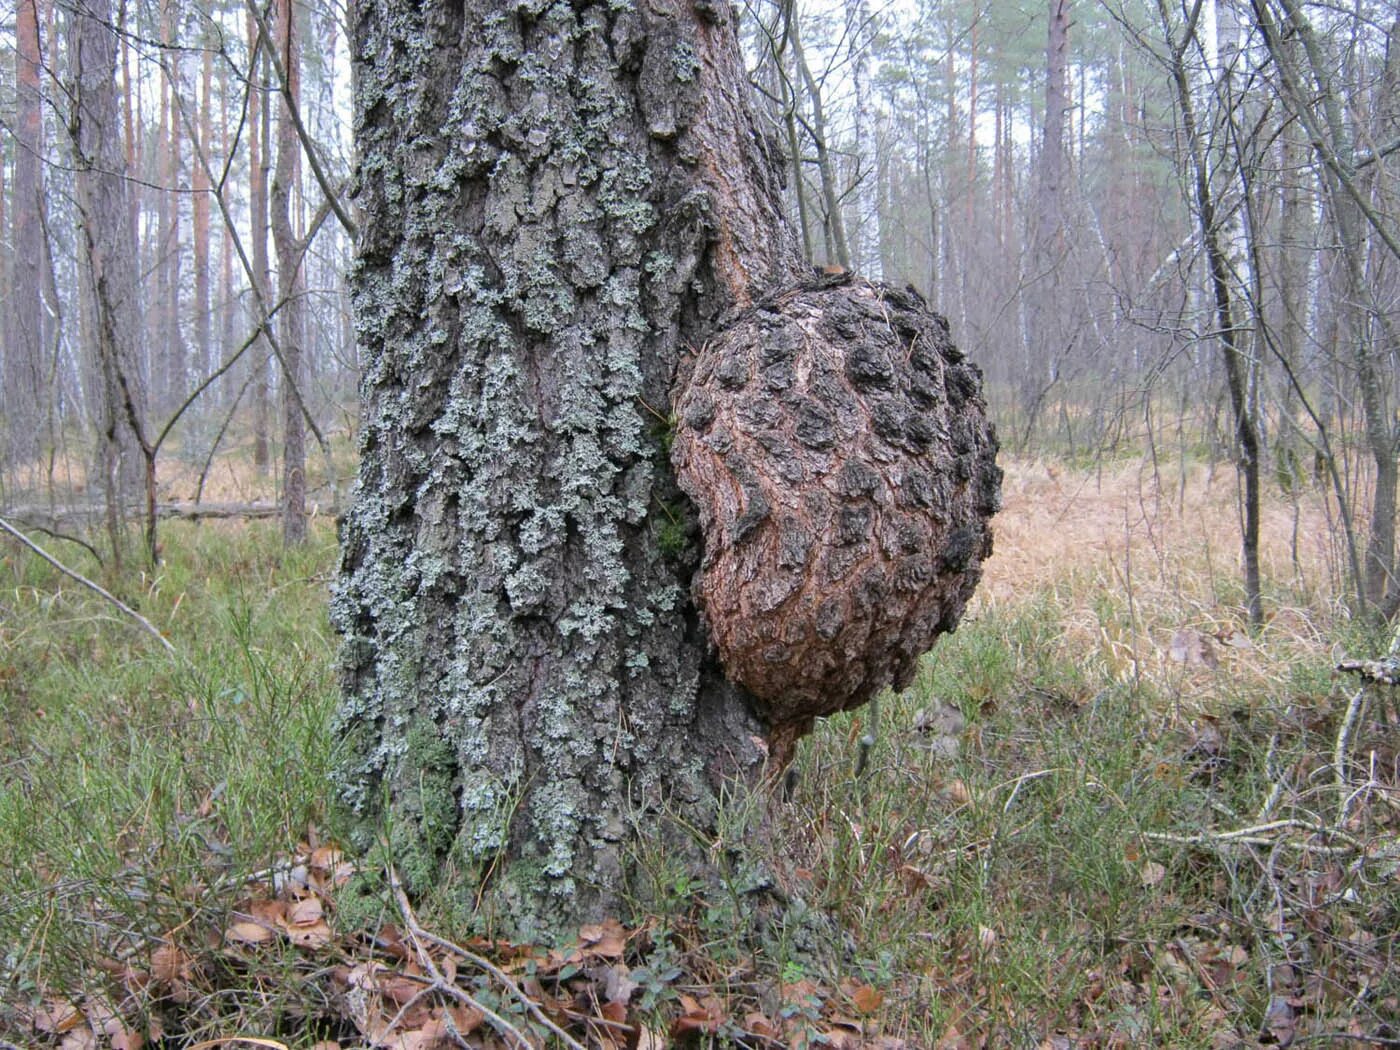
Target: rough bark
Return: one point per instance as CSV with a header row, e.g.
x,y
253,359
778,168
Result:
x,y
1230,330
1375,339
259,151
562,201
200,191
837,449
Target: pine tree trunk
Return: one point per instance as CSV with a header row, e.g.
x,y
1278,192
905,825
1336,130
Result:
x,y
24,387
259,149
109,279
200,201
291,302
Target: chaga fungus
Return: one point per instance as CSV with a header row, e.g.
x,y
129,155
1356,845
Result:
x,y
836,446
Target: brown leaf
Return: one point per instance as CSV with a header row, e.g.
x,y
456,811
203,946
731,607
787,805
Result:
x,y
245,932
867,999
315,936
464,1019
55,1017
270,911
306,912
400,989
607,939
1234,638
83,1038
613,1011
325,858
447,966
760,1025
170,965
698,1017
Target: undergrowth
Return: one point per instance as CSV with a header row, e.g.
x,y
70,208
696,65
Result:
x,y
1107,814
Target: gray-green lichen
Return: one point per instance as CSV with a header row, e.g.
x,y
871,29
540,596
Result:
x,y
522,673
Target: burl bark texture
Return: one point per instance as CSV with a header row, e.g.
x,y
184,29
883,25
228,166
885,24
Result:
x,y
837,448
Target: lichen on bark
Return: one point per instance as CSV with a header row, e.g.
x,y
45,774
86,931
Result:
x,y
535,253
563,201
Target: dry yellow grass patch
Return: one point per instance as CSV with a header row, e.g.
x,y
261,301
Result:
x,y
1145,570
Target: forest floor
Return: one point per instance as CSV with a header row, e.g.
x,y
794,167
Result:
x,y
1107,814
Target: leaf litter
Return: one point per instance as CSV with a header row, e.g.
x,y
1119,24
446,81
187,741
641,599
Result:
x,y
402,987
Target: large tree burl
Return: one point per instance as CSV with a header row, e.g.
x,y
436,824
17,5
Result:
x,y
836,446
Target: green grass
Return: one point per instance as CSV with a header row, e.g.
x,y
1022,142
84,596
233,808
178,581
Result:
x,y
1036,874
1028,885
137,790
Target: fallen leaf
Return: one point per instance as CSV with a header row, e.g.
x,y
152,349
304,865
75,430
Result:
x,y
83,1038
867,999
607,939
170,965
698,1017
400,989
1152,873
325,858
248,933
464,1019
306,912
55,1017
760,1025
616,1012
314,936
1193,649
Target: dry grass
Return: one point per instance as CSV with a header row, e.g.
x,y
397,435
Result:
x,y
1163,548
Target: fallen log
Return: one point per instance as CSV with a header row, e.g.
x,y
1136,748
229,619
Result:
x,y
89,515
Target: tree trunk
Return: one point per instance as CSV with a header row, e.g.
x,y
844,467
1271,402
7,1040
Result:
x,y
259,152
110,280
838,247
200,191
291,302
1375,340
560,204
576,194
24,387
1230,331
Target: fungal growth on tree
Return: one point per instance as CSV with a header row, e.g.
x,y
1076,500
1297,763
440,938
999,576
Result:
x,y
836,446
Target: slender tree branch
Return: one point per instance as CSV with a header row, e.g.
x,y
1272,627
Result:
x,y
73,574
309,146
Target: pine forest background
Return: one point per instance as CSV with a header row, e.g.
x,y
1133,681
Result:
x,y
1158,227
1129,802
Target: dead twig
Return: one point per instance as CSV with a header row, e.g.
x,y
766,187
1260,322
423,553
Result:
x,y
95,588
421,936
1259,835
